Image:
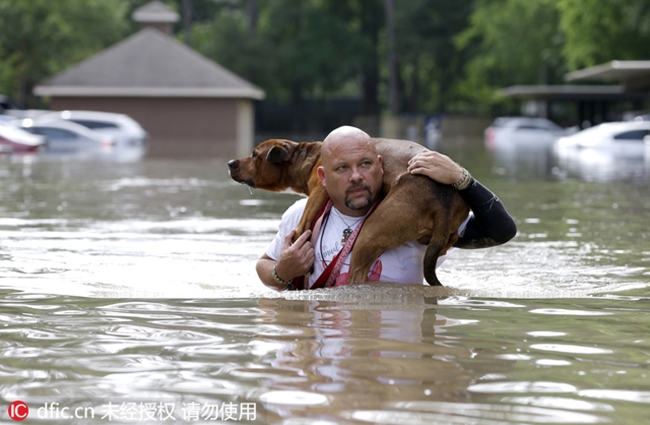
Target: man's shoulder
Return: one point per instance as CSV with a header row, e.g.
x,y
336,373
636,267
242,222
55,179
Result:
x,y
296,208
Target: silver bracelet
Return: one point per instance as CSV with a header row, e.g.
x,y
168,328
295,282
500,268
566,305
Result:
x,y
464,182
278,279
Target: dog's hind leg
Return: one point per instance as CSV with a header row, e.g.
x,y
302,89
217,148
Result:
x,y
438,245
445,223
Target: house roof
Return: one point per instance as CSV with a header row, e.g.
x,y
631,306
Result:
x,y
148,64
633,74
155,11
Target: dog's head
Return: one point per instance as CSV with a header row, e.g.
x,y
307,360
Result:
x,y
266,167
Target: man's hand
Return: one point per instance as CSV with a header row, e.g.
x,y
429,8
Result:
x,y
436,166
295,259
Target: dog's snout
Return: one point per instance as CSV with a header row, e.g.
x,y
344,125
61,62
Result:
x,y
232,163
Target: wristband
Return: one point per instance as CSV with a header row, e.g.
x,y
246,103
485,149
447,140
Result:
x,y
464,182
278,279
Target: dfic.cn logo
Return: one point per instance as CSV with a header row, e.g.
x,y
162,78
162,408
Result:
x,y
18,410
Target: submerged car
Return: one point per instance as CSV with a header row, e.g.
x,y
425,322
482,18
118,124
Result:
x,y
16,140
523,132
124,130
621,139
68,137
605,152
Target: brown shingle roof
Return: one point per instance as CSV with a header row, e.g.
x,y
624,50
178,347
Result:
x,y
148,64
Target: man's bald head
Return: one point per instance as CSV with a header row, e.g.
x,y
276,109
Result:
x,y
345,136
351,170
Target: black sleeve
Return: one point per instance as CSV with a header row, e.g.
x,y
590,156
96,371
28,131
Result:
x,y
490,223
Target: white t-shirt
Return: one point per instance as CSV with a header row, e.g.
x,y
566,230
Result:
x,y
401,265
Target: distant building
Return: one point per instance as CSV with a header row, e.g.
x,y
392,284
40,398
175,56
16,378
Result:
x,y
634,75
190,105
594,102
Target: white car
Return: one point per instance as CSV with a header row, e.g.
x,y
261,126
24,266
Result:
x,y
523,132
610,151
124,130
619,139
68,137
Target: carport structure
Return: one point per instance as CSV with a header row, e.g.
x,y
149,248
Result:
x,y
594,102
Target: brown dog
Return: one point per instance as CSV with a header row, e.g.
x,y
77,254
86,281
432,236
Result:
x,y
414,207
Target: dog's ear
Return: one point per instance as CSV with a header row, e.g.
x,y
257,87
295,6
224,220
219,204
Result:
x,y
278,154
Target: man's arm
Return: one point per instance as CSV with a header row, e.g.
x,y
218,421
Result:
x,y
295,260
264,268
490,224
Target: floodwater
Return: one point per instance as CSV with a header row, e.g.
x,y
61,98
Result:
x,y
128,295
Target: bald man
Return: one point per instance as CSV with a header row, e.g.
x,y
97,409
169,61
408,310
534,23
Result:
x,y
352,175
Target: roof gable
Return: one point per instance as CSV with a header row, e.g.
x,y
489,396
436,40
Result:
x,y
148,63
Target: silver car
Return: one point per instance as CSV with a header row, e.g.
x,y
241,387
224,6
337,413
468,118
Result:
x,y
62,136
124,130
620,139
523,132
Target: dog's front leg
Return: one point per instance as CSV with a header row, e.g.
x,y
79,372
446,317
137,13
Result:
x,y
316,199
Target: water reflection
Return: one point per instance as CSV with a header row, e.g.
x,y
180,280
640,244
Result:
x,y
362,358
595,165
540,162
532,161
365,357
112,154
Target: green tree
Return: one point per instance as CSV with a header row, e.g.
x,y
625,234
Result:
x,y
42,37
301,49
605,30
226,40
511,42
298,50
431,64
364,19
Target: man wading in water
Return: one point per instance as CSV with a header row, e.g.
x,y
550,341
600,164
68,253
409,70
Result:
x,y
352,175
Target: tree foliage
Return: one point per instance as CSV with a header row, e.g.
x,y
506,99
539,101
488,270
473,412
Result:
x,y
512,42
226,41
452,54
300,49
42,37
604,31
431,64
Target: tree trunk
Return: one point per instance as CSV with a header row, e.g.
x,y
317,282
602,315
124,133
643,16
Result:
x,y
251,15
371,21
393,94
187,21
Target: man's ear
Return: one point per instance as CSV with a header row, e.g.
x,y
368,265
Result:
x,y
381,164
278,154
321,175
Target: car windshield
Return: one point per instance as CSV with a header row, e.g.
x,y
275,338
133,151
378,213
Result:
x,y
94,124
632,135
502,121
55,133
533,127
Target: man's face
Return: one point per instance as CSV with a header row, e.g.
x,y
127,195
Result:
x,y
352,174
